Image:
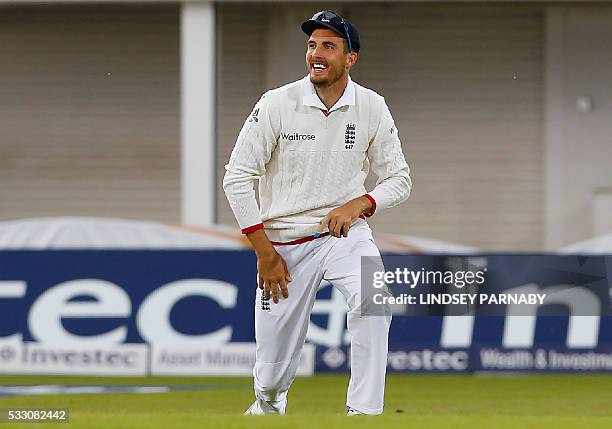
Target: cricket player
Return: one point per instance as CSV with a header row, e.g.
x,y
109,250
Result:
x,y
311,144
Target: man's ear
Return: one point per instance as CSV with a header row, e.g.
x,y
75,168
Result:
x,y
352,58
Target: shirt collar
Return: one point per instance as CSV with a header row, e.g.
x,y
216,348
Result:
x,y
310,97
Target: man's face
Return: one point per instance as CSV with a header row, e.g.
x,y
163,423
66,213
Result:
x,y
325,57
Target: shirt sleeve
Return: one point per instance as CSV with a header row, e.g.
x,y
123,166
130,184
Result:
x,y
387,161
253,150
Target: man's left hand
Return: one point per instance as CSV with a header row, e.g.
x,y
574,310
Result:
x,y
339,220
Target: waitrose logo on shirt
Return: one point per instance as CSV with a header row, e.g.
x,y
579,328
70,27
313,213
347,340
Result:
x,y
297,136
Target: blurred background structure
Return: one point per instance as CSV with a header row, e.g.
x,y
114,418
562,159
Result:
x,y
130,110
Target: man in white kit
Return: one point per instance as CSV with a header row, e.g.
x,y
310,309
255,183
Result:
x,y
311,144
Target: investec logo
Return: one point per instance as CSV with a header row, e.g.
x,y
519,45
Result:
x,y
297,136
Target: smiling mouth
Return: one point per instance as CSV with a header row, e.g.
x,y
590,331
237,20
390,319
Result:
x,y
318,67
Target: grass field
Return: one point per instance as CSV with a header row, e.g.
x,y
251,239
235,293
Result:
x,y
432,402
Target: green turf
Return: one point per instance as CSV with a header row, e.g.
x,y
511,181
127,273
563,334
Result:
x,y
428,402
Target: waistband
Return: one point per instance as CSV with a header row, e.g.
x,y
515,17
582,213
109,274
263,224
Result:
x,y
299,240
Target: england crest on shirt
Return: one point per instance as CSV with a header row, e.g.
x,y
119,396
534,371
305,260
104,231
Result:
x,y
349,136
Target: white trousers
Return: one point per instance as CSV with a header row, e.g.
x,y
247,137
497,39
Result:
x,y
280,329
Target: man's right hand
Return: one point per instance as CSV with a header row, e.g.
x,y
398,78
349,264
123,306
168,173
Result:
x,y
273,275
272,272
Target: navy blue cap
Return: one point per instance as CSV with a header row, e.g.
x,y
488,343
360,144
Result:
x,y
333,21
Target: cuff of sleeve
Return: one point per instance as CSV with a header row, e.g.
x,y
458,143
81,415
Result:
x,y
253,228
373,209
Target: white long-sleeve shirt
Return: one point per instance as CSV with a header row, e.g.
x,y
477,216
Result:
x,y
310,160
